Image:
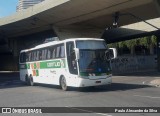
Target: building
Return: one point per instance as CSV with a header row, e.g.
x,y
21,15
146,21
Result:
x,y
24,4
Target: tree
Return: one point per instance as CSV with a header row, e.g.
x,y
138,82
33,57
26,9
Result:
x,y
149,42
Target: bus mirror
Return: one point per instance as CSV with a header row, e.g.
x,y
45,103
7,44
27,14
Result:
x,y
77,53
112,53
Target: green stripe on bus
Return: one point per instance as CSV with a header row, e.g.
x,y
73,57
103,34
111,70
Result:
x,y
53,64
45,65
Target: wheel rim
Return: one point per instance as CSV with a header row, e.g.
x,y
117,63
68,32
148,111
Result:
x,y
31,81
63,83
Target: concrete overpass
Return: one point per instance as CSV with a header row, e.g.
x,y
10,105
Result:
x,y
72,18
76,15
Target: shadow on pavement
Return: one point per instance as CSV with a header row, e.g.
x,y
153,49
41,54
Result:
x,y
107,88
9,76
113,87
11,80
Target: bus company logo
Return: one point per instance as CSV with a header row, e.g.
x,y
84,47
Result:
x,y
56,64
6,110
38,65
32,65
62,63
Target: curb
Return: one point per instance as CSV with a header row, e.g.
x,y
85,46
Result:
x,y
155,82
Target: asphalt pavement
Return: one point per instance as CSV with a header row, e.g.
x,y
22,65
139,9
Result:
x,y
126,91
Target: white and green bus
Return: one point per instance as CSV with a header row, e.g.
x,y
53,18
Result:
x,y
79,62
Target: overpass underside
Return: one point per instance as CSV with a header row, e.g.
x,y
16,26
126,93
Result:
x,y
70,19
23,42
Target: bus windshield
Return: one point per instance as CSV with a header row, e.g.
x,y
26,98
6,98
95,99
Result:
x,y
92,57
93,61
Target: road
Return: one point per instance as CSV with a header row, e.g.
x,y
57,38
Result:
x,y
126,91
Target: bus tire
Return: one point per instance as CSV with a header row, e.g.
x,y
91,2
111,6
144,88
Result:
x,y
63,83
26,80
31,82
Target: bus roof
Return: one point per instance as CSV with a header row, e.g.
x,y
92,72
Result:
x,y
59,42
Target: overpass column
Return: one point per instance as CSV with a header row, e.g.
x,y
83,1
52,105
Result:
x,y
15,49
14,46
157,5
158,50
13,43
77,32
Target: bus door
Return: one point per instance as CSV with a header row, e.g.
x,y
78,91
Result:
x,y
71,58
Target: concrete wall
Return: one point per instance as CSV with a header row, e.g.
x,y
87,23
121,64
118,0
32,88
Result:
x,y
128,64
9,63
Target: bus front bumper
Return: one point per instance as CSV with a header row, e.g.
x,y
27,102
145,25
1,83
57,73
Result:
x,y
82,82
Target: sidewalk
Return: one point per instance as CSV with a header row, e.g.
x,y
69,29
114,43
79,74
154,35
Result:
x,y
152,75
155,82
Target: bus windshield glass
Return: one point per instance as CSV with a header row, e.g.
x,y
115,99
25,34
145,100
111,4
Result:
x,y
93,61
93,57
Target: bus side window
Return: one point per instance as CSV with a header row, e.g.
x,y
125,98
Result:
x,y
58,52
32,56
37,56
27,57
53,52
44,54
62,54
48,53
23,57
72,64
40,54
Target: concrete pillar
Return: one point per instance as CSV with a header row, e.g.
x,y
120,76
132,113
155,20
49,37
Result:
x,y
157,5
77,32
14,46
158,50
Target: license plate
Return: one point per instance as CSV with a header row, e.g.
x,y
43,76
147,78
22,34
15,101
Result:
x,y
98,81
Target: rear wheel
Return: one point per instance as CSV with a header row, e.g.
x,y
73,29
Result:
x,y
26,80
31,82
63,83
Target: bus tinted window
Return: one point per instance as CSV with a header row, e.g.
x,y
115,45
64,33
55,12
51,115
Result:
x,y
44,54
58,52
47,53
62,55
23,57
53,53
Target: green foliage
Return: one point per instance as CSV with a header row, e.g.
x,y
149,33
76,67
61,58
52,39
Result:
x,y
144,41
113,45
131,43
122,44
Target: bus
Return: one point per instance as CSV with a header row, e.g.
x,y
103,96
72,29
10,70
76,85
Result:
x,y
79,62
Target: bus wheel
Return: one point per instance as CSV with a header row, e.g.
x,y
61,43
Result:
x,y
31,83
63,83
26,80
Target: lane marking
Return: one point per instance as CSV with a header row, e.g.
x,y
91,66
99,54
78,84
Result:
x,y
147,96
88,111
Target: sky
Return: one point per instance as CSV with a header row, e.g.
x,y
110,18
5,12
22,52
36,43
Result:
x,y
7,7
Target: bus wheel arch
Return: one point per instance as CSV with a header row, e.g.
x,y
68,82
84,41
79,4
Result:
x,y
63,83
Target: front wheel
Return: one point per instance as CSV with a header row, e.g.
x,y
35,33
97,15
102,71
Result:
x,y
63,83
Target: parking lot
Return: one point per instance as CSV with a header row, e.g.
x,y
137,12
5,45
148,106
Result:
x,y
126,91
